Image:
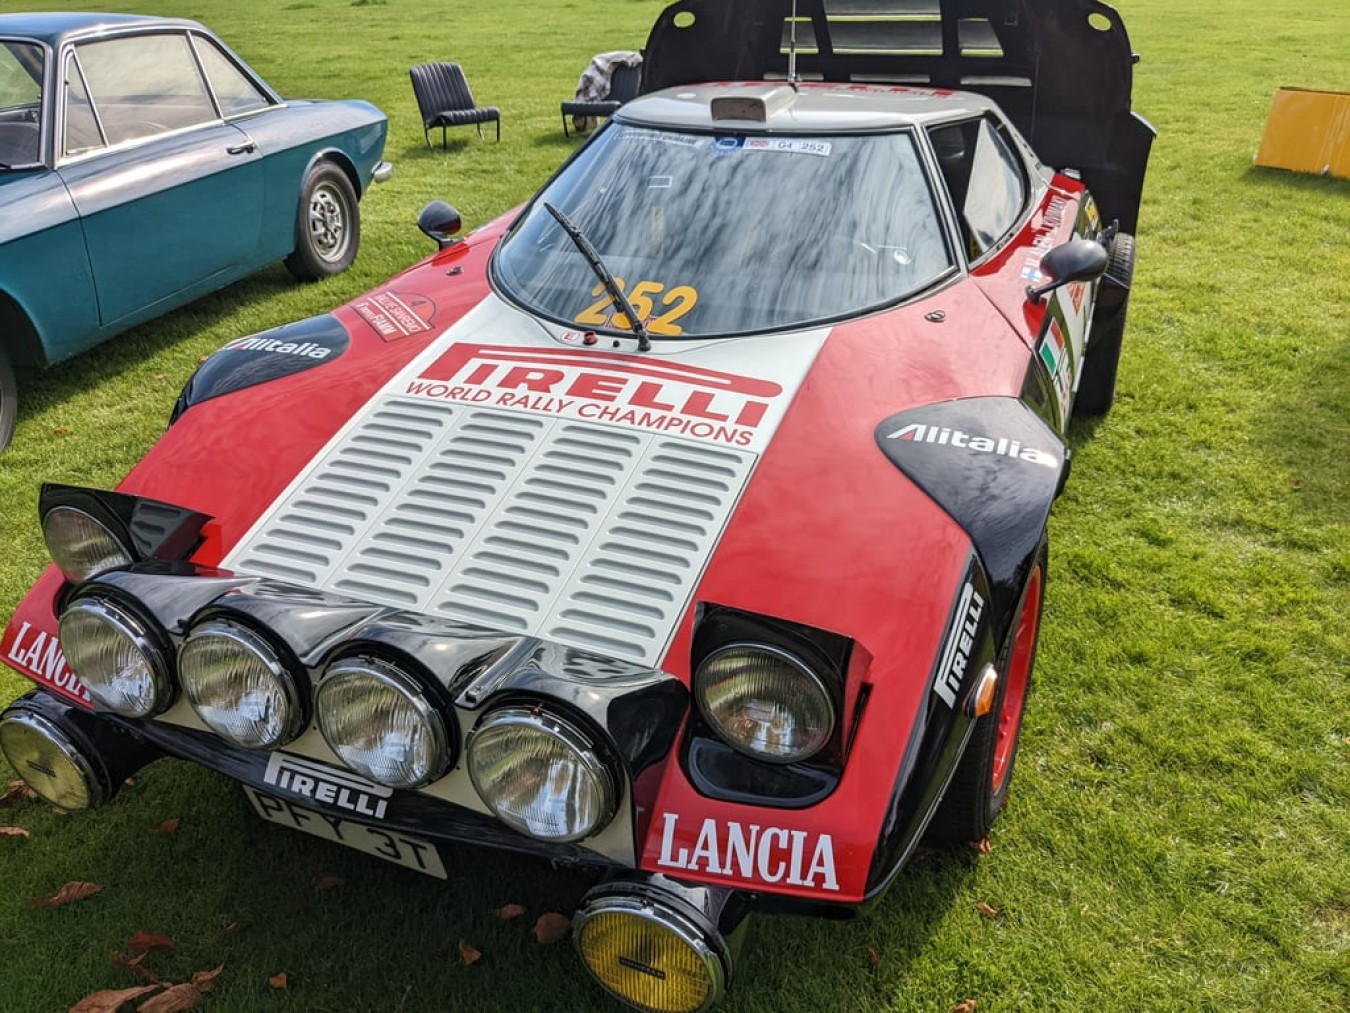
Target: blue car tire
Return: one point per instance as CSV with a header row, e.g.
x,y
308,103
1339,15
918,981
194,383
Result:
x,y
328,224
9,399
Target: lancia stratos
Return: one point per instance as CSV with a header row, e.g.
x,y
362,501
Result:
x,y
687,523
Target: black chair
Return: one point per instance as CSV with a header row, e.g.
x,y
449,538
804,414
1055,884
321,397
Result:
x,y
444,100
623,85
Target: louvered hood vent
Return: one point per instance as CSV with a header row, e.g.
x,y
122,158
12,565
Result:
x,y
584,534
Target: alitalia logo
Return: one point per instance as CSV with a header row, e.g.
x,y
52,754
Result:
x,y
303,349
945,436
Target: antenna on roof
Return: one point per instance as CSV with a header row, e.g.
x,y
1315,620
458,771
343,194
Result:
x,y
792,48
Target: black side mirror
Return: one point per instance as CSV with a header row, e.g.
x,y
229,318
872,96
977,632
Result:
x,y
1077,260
440,221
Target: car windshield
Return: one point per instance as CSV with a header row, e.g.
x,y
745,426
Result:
x,y
729,234
20,102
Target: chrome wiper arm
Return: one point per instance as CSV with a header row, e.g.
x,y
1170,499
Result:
x,y
592,256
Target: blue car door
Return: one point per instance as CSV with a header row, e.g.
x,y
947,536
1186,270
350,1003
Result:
x,y
169,195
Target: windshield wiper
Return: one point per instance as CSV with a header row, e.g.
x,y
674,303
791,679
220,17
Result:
x,y
602,272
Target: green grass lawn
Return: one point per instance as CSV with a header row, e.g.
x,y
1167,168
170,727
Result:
x,y
1179,832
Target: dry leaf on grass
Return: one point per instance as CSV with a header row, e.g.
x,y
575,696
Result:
x,y
551,927
174,1000
134,964
18,791
983,846
61,431
988,910
508,911
468,953
14,832
69,892
239,924
872,956
206,980
281,980
113,1000
166,828
328,883
150,942
968,1006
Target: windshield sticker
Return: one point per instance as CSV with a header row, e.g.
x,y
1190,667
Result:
x,y
676,302
791,145
660,136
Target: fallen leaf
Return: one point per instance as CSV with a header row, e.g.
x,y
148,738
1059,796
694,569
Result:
x,y
62,431
166,828
69,892
134,964
968,1006
14,832
18,791
202,359
468,953
551,927
161,376
206,980
111,1001
872,956
239,925
150,942
174,1000
983,846
987,910
508,911
279,980
328,883
130,782
59,811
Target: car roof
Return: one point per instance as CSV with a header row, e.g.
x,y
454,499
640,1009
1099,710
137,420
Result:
x,y
813,107
55,28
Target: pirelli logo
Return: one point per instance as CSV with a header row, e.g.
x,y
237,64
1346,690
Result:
x,y
960,643
321,783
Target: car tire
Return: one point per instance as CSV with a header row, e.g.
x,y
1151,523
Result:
x,y
9,400
327,226
979,788
1097,386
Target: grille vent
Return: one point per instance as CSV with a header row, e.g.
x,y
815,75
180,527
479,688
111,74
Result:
x,y
587,535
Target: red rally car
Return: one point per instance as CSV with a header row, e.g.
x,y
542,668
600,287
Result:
x,y
688,522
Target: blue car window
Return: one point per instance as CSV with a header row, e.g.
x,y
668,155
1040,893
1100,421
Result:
x,y
235,93
145,85
20,102
82,131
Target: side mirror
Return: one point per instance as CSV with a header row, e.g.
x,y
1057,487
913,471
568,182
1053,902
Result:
x,y
440,221
1077,260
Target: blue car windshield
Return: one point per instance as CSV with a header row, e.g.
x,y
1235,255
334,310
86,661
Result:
x,y
729,234
20,102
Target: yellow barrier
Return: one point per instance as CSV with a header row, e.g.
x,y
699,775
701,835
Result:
x,y
1308,131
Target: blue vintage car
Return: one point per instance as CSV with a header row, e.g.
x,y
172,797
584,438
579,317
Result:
x,y
143,164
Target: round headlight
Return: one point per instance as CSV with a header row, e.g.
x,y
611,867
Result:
x,y
79,545
238,685
764,702
540,775
116,657
53,765
648,956
379,723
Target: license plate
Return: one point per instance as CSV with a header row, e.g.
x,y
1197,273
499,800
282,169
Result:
x,y
401,849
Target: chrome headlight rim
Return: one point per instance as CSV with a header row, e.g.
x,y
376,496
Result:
x,y
394,676
274,659
587,748
58,547
664,916
143,635
97,790
794,661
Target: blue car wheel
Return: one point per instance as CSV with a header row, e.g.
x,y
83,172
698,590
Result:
x,y
328,225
